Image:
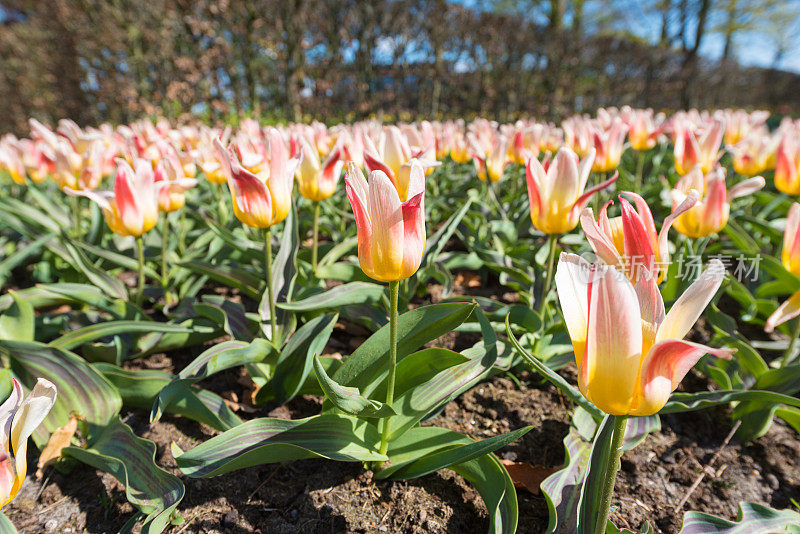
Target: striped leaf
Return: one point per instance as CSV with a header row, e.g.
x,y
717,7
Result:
x,y
81,389
81,336
139,388
562,489
343,295
752,519
17,321
131,460
366,367
262,441
348,399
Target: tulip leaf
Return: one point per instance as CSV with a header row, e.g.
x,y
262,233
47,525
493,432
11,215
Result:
x,y
17,321
554,378
343,295
6,526
366,367
131,460
48,295
349,399
284,274
218,358
139,388
81,389
589,502
233,277
262,441
346,272
81,336
423,450
562,489
433,450
296,360
413,404
687,402
121,260
23,255
104,281
752,519
227,314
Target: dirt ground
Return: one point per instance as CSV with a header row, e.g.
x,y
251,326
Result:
x,y
320,496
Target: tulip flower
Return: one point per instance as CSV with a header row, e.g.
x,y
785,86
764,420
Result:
x,y
262,204
630,242
755,154
739,123
787,167
317,182
490,157
630,354
391,228
608,145
132,208
393,154
697,148
556,194
578,134
12,163
710,214
18,420
391,241
790,257
644,129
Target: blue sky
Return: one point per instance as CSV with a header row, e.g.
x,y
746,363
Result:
x,y
751,48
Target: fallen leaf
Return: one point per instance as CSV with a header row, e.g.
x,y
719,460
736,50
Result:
x,y
526,475
62,437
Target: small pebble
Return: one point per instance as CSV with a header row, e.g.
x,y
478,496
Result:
x,y
772,481
51,525
423,515
230,519
383,529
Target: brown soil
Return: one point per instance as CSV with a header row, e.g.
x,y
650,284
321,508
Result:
x,y
325,496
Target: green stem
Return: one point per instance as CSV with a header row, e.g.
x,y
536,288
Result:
x,y
490,186
394,291
164,236
182,231
140,254
77,219
552,242
316,239
221,211
787,356
610,472
268,274
639,173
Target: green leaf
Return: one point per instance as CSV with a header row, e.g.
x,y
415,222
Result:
x,y
638,428
296,360
262,441
554,378
23,255
347,399
17,322
81,389
121,260
454,452
343,295
218,358
687,402
81,336
6,526
131,460
589,503
496,488
139,388
562,489
752,519
227,314
105,282
233,277
413,404
791,415
284,274
366,367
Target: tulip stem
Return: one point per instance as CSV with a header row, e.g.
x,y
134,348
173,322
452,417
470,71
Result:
x,y
77,218
552,243
315,238
394,292
490,186
268,274
140,254
221,212
610,472
639,172
787,356
164,235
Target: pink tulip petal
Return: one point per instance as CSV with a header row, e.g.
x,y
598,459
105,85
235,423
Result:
x,y
664,367
785,312
583,199
599,240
